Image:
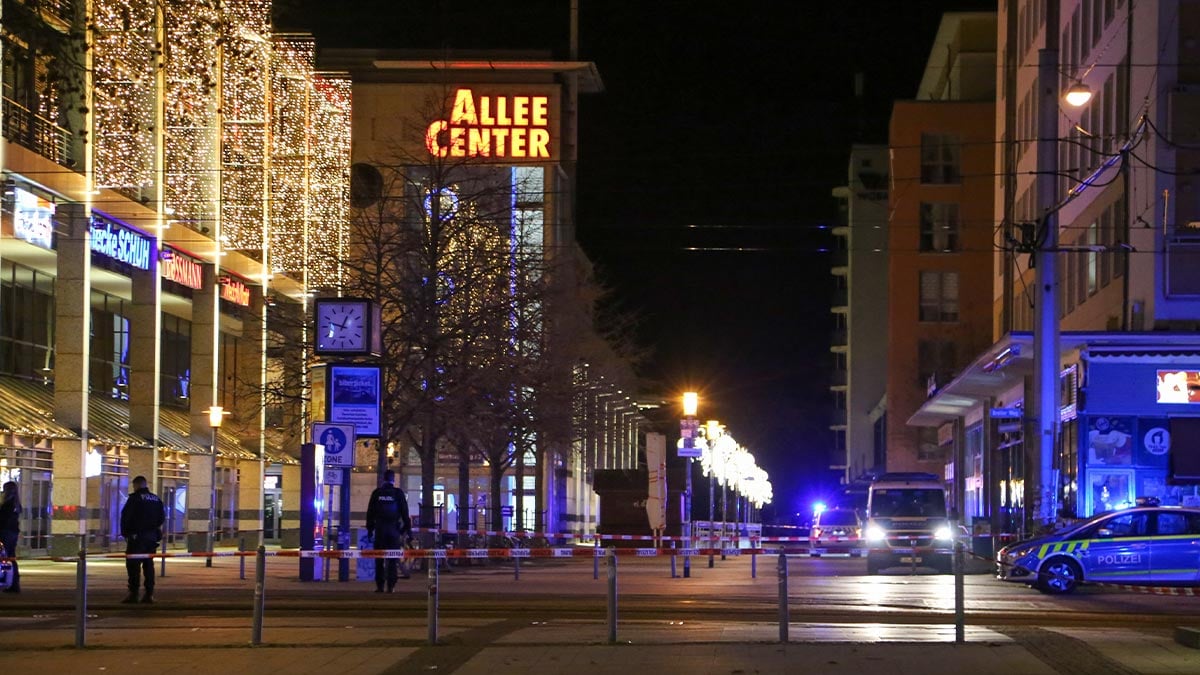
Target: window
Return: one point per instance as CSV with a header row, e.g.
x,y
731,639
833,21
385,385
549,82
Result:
x,y
940,159
936,359
1081,278
939,226
1177,523
1128,525
928,449
1093,258
939,296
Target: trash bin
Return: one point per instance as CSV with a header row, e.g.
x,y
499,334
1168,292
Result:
x,y
365,571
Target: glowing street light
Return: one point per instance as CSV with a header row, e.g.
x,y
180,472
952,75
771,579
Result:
x,y
1078,95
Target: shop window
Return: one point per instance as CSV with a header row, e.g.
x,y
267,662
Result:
x,y
1110,490
928,449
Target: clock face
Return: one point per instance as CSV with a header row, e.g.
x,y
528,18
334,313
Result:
x,y
341,326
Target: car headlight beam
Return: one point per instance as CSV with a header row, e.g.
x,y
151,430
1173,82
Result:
x,y
875,533
944,533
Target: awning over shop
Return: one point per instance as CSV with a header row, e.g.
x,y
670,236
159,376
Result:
x,y
1002,366
1007,362
27,409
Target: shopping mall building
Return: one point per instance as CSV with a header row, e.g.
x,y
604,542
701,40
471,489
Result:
x,y
166,222
160,215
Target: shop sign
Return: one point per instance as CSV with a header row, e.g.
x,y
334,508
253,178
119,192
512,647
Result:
x,y
235,290
181,269
492,126
121,244
33,219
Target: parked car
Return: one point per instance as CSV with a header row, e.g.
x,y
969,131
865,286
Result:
x,y
1153,544
836,531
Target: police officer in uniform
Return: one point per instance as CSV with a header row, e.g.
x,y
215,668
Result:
x,y
141,524
387,523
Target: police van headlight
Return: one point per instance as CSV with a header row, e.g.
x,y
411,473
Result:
x,y
944,533
875,533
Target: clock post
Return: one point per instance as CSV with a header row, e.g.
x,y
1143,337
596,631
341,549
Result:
x,y
347,337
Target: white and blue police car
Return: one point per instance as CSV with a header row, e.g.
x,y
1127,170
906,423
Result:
x,y
1150,544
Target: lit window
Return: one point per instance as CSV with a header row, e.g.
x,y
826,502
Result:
x,y
939,226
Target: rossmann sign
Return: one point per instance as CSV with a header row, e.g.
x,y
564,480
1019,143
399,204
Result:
x,y
495,126
181,269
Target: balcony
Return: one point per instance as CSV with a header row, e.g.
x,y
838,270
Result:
x,y
838,341
55,12
839,262
839,377
37,133
841,298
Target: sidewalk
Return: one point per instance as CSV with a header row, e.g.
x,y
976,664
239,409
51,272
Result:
x,y
182,634
579,647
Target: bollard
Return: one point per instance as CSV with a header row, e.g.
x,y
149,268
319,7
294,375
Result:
x,y
959,614
260,579
687,558
516,569
612,594
673,575
242,559
596,559
81,599
783,597
753,565
431,608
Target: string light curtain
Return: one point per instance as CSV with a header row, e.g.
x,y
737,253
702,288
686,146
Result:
x,y
190,112
310,165
124,59
245,81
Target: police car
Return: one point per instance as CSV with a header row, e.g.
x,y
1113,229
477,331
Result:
x,y
1150,544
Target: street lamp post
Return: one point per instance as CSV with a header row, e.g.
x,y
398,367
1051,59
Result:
x,y
215,415
691,402
712,432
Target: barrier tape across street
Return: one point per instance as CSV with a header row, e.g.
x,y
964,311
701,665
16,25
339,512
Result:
x,y
548,552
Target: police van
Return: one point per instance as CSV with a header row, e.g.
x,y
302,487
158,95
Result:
x,y
1145,544
907,523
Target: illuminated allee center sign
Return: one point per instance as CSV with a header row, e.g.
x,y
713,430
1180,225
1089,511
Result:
x,y
492,126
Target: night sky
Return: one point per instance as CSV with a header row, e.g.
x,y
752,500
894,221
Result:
x,y
705,174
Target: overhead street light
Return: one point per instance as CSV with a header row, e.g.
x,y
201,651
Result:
x,y
1078,95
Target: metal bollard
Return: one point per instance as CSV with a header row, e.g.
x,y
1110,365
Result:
x,y
687,558
612,594
260,580
783,597
673,575
81,599
753,565
959,613
596,559
242,559
431,607
516,569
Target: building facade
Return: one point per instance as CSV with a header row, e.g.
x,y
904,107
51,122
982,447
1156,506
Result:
x,y
1124,215
162,214
859,346
493,136
941,233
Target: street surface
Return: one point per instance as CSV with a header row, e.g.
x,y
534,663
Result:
x,y
557,605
